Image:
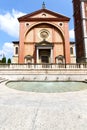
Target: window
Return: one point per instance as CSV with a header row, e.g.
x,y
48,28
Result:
x,y
60,24
27,24
16,50
44,15
44,34
71,50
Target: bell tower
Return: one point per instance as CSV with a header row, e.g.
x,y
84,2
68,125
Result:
x,y
80,27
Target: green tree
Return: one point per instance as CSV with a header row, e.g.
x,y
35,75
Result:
x,y
9,61
4,60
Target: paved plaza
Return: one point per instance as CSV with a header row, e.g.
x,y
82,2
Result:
x,y
21,110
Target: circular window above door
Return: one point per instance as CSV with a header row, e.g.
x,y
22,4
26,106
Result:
x,y
44,34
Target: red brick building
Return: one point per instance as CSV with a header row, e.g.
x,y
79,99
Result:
x,y
80,22
44,38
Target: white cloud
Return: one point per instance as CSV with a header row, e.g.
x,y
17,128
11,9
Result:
x,y
71,34
9,22
7,50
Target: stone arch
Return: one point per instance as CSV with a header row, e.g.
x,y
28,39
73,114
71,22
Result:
x,y
60,59
52,24
57,42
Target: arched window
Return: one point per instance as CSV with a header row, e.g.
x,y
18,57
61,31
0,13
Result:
x,y
16,50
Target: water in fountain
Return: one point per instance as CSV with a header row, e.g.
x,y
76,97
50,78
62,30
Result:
x,y
47,87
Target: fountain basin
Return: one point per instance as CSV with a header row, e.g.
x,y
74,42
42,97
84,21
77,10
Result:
x,y
47,87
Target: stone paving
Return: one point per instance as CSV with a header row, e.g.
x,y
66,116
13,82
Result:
x,y
42,111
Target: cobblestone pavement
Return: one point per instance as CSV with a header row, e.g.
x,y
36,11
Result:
x,y
42,111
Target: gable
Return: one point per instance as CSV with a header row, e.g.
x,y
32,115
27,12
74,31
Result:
x,y
43,14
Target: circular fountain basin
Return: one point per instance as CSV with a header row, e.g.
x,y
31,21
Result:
x,y
47,87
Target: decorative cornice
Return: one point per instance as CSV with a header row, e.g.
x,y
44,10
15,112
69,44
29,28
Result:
x,y
44,43
43,19
29,42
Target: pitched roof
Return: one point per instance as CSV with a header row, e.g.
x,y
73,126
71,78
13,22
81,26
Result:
x,y
58,16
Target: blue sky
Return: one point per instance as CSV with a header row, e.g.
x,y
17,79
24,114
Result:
x,y
12,9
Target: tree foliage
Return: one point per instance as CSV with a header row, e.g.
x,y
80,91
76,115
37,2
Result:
x,y
4,60
9,61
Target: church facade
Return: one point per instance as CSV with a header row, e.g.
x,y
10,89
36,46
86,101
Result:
x,y
44,38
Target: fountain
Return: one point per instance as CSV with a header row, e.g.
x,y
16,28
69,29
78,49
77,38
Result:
x,y
47,87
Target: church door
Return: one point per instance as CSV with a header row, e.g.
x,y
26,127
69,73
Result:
x,y
44,59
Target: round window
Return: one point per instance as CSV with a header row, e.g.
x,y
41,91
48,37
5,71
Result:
x,y
44,34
